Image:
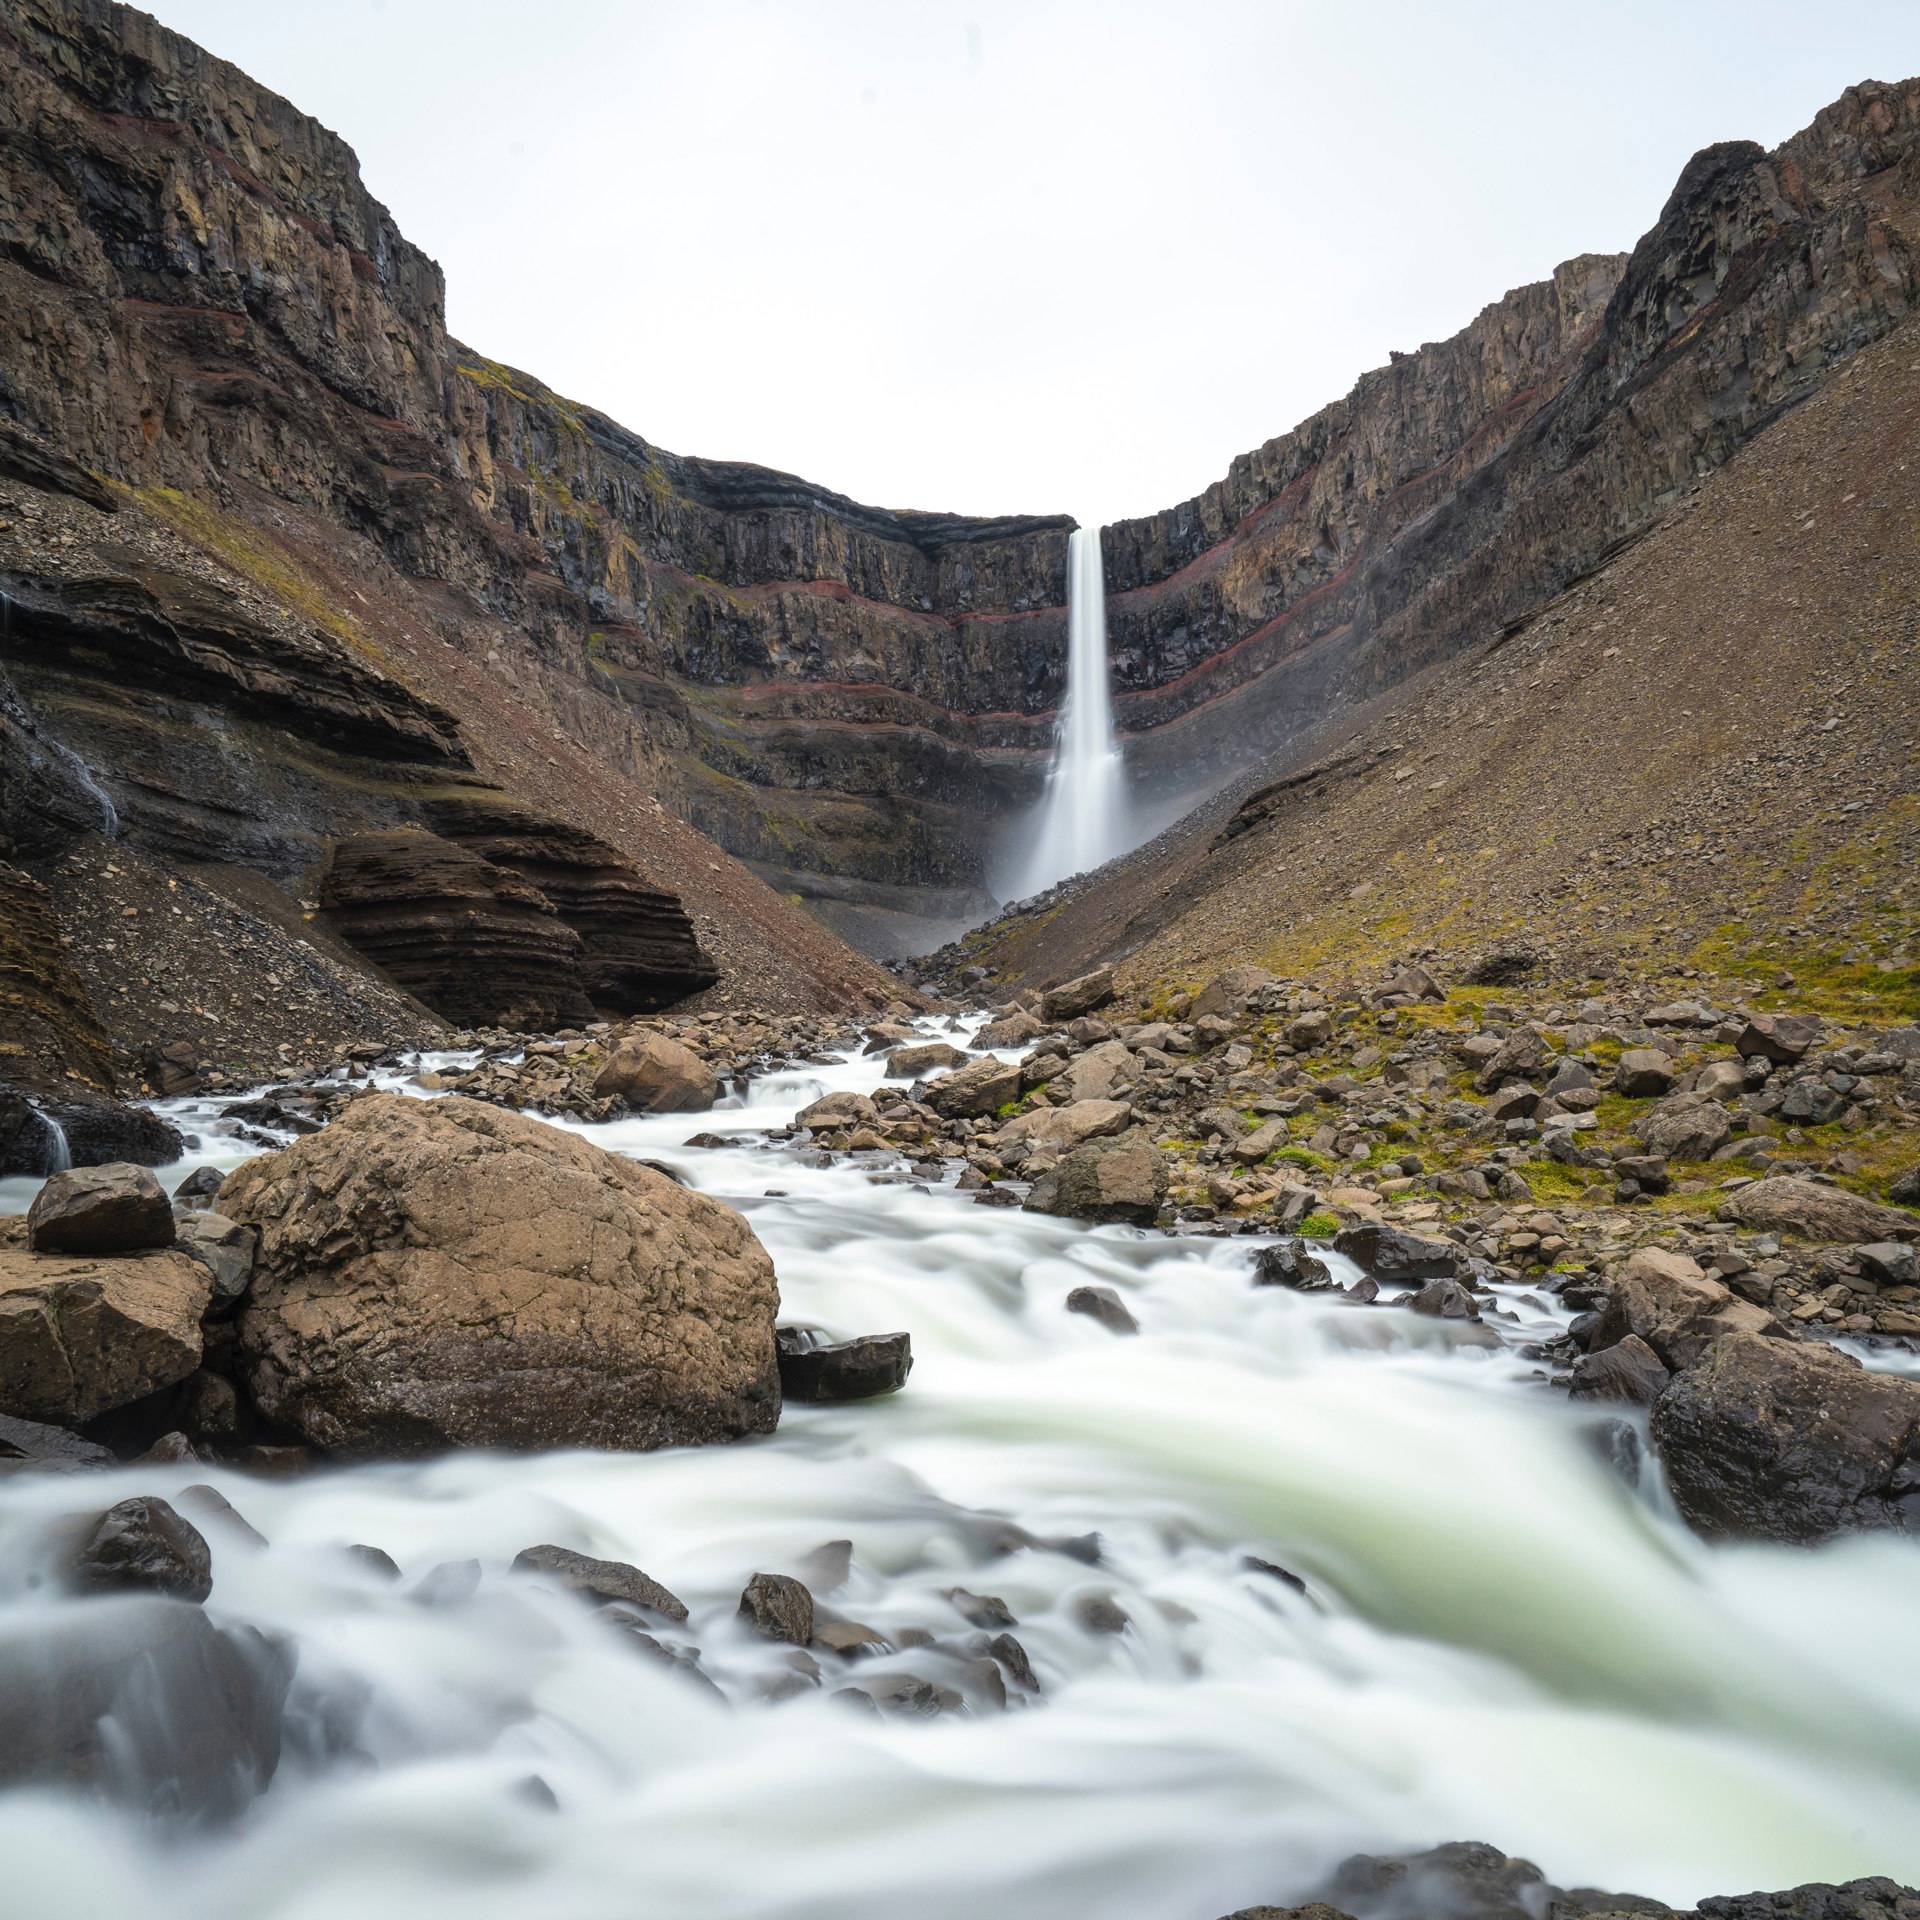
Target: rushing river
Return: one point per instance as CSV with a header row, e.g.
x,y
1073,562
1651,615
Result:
x,y
1500,1638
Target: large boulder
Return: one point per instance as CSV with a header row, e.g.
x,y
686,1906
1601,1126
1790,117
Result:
x,y
117,1208
1780,1037
653,1074
1395,1255
1099,1073
442,1273
1229,992
813,1368
914,1063
1643,1072
836,1110
1690,1126
1061,1129
1817,1212
1012,1030
1667,1301
81,1335
1075,997
1789,1440
142,1545
985,1087
1119,1180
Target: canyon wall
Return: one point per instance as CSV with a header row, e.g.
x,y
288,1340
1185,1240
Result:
x,y
200,301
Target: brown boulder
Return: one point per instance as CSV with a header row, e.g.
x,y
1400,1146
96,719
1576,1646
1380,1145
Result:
x,y
1124,1180
1075,997
1789,1440
914,1063
1817,1212
1779,1037
1064,1128
442,1273
985,1087
835,1110
81,1335
118,1208
1015,1030
1667,1301
653,1074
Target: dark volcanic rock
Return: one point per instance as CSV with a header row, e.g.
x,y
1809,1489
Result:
x,y
1768,1439
815,1369
143,1545
1391,1253
33,1443
1291,1265
1104,1305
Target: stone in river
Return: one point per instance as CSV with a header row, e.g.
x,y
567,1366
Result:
x,y
859,1369
1104,1305
653,1074
1393,1254
600,1579
779,1608
142,1545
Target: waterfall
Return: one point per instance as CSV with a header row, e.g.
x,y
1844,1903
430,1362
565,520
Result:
x,y
1082,819
57,1156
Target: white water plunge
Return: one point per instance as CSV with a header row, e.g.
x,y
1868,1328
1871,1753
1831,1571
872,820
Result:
x,y
1501,1639
1083,817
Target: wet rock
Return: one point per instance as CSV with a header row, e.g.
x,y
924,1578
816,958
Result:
x,y
1816,1212
211,1506
982,1088
779,1608
653,1074
1392,1254
916,1699
141,1699
812,1368
201,1188
1121,1180
599,1579
1013,1657
1254,1564
81,1335
1463,1880
451,1584
1779,1037
915,1063
1101,1613
143,1545
1015,1030
224,1247
982,1609
118,1208
1075,997
33,1443
1104,1305
1789,1440
1643,1072
834,1111
1629,1370
1290,1265
1445,1299
376,1561
438,1273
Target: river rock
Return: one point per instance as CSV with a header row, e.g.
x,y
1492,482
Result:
x,y
608,1580
836,1110
915,1063
437,1273
1104,1305
1789,1440
224,1247
1642,1072
653,1074
1012,1030
1676,1308
1779,1037
1098,1073
1445,1299
1393,1254
982,1088
143,1700
33,1443
1291,1265
1628,1370
201,1188
1118,1180
857,1369
1816,1212
142,1545
1075,997
1061,1129
118,1208
81,1335
779,1607
1690,1126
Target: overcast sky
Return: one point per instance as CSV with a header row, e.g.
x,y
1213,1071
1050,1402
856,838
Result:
x,y
1018,255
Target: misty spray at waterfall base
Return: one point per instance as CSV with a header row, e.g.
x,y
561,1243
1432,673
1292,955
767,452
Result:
x,y
1083,819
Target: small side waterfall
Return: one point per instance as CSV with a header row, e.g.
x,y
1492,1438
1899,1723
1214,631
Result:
x,y
56,1155
1082,819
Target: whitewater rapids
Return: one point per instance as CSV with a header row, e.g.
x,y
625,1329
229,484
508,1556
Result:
x,y
1501,1639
